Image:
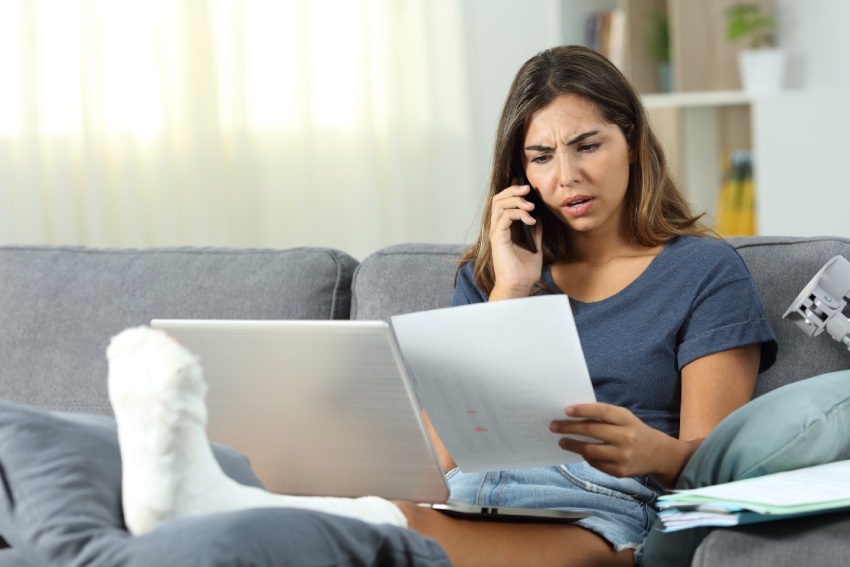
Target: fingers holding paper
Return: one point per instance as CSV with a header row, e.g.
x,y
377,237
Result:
x,y
625,445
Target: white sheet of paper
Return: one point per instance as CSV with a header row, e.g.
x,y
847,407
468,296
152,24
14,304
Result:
x,y
492,376
810,485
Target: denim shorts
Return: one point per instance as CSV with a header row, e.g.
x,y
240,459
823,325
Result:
x,y
622,509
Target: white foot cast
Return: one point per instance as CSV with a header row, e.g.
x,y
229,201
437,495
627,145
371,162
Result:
x,y
157,390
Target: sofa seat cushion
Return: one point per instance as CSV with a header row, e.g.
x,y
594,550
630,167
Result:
x,y
820,540
61,305
60,505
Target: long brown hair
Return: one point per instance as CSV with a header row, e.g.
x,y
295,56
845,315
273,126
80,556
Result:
x,y
658,210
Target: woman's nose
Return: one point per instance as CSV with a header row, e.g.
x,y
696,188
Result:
x,y
568,175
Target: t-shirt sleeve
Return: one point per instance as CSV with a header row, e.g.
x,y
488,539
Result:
x,y
726,313
466,290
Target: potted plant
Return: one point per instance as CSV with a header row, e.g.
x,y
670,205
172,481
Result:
x,y
761,63
658,43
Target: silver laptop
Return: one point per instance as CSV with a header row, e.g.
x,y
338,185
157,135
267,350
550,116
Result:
x,y
324,408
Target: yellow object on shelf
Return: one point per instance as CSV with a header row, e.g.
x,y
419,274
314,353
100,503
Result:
x,y
736,214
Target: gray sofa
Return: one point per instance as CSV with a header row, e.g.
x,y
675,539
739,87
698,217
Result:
x,y
60,305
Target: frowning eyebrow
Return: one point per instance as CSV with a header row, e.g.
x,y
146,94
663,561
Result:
x,y
576,140
582,137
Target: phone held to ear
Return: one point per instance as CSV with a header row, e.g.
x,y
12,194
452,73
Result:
x,y
523,234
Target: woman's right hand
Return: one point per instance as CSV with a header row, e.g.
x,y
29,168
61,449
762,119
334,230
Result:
x,y
516,269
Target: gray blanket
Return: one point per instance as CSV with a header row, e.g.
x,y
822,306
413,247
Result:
x,y
60,505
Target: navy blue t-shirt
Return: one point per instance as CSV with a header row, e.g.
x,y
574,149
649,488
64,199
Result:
x,y
694,299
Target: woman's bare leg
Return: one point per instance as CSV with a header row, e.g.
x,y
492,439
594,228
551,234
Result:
x,y
474,543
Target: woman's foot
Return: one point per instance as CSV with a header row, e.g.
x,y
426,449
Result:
x,y
157,391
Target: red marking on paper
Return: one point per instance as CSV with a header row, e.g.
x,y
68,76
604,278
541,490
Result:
x,y
480,429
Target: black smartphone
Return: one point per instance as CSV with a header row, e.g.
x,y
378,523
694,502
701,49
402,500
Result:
x,y
523,234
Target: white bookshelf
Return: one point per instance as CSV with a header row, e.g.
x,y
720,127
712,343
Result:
x,y
695,99
801,155
695,128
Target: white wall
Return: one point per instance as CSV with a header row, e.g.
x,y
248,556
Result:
x,y
805,128
808,192
500,36
816,36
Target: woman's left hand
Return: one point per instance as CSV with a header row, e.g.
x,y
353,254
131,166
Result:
x,y
626,447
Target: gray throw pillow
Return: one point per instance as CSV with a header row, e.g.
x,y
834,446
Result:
x,y
60,505
799,425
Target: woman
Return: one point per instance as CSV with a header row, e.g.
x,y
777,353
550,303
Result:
x,y
669,319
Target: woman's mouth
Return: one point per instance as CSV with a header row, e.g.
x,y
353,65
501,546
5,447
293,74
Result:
x,y
577,206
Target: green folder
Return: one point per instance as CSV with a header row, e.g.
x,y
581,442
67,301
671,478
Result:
x,y
812,490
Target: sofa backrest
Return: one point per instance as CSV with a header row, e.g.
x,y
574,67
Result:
x,y
412,277
404,278
59,306
781,267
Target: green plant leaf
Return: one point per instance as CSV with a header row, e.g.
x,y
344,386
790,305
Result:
x,y
746,21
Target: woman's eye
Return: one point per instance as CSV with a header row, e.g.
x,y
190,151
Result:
x,y
540,159
588,147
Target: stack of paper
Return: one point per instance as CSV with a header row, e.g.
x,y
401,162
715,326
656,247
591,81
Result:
x,y
802,492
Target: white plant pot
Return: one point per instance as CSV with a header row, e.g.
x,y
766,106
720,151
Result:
x,y
762,70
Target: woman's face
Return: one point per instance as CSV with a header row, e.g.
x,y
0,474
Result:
x,y
578,163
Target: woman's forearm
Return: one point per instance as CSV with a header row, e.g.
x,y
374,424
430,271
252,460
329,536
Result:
x,y
673,458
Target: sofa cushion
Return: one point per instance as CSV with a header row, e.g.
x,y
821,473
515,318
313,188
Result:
x,y
61,305
62,476
781,267
60,506
799,425
403,279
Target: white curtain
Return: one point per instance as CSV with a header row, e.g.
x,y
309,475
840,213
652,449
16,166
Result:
x,y
279,123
